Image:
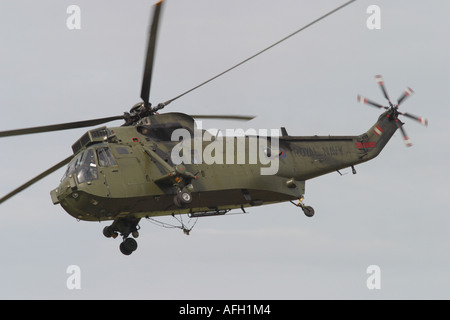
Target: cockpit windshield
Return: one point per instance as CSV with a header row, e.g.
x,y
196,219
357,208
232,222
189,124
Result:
x,y
73,165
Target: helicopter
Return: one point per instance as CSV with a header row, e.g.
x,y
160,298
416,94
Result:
x,y
161,164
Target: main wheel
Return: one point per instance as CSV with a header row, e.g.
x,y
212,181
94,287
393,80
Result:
x,y
107,232
128,246
184,197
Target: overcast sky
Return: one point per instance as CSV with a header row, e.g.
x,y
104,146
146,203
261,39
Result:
x,y
394,213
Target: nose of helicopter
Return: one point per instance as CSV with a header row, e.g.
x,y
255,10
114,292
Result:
x,y
71,197
67,187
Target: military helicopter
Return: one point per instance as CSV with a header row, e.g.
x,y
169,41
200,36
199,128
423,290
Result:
x,y
123,174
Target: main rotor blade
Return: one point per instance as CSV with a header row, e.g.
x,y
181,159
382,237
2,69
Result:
x,y
60,126
260,52
148,68
223,117
37,178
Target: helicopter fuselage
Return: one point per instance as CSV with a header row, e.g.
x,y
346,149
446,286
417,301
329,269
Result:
x,y
129,171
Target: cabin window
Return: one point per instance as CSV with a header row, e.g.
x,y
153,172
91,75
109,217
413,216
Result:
x,y
105,158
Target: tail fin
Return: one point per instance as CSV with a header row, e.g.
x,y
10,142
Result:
x,y
375,139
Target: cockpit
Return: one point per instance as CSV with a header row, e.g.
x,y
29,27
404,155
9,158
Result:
x,y
84,166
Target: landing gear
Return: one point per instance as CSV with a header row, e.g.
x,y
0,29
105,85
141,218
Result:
x,y
125,227
307,210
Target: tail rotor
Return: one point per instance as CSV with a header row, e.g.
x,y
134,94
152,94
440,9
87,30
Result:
x,y
394,108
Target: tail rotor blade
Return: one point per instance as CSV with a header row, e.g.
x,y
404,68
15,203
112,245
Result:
x,y
405,136
380,81
363,100
421,120
393,112
408,92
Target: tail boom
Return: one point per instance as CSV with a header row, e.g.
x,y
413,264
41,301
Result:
x,y
319,155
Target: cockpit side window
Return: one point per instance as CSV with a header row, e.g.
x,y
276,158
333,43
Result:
x,y
89,159
79,160
105,158
87,170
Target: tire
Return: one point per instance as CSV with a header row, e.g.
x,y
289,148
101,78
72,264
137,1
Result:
x,y
309,211
128,246
184,197
124,249
107,232
177,202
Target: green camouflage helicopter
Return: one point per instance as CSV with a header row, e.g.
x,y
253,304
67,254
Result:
x,y
139,170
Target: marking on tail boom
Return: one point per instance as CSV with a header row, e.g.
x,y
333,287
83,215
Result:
x,y
378,131
365,145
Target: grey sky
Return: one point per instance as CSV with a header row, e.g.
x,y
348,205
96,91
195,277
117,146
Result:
x,y
394,213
